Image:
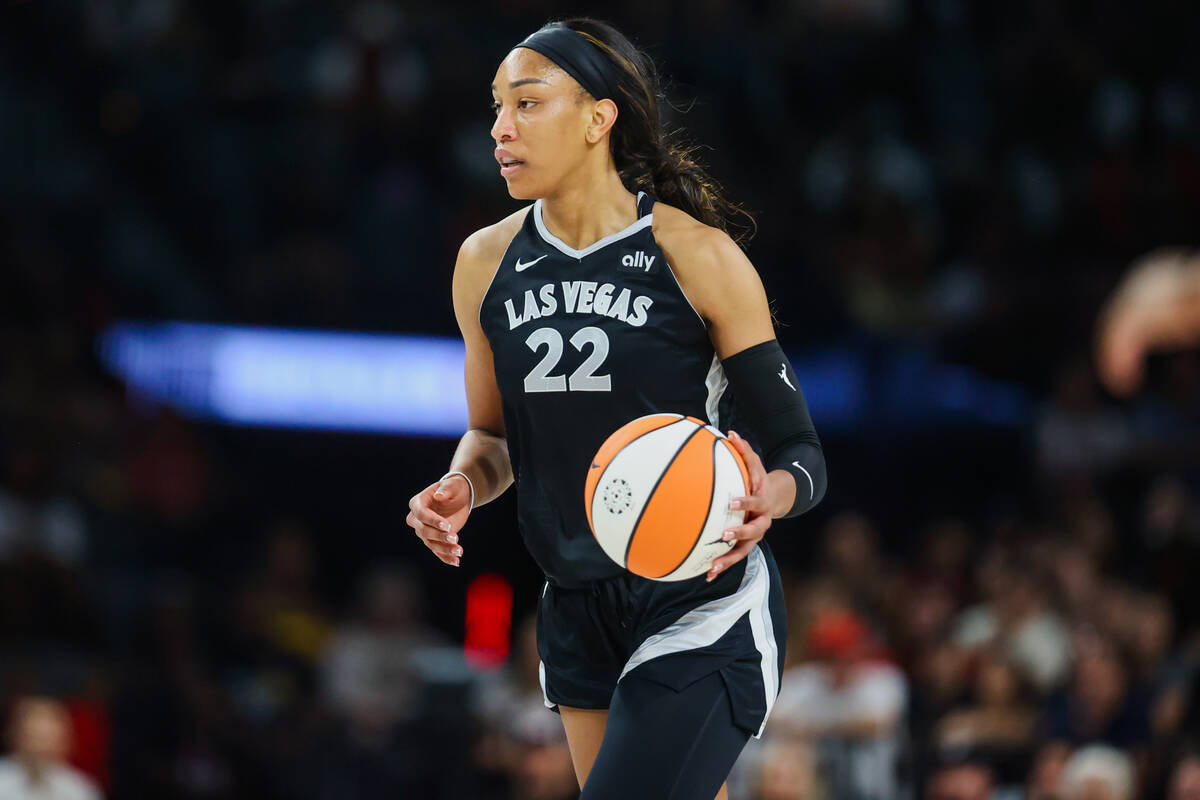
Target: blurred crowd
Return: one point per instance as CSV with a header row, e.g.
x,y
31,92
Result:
x,y
195,612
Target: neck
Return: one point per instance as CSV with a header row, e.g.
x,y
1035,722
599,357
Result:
x,y
590,208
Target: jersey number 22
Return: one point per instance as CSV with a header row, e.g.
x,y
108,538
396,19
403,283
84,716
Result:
x,y
583,378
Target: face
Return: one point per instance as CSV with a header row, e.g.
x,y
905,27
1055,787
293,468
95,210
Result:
x,y
1099,685
965,782
1046,775
41,731
546,125
996,684
1185,783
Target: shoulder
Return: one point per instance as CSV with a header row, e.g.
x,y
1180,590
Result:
x,y
690,244
482,250
75,784
717,279
478,259
65,781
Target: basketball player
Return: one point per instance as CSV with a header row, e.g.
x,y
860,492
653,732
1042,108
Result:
x,y
619,293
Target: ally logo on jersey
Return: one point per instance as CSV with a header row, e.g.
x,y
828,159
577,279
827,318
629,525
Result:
x,y
638,260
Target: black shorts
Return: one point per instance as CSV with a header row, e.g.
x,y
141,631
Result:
x,y
671,633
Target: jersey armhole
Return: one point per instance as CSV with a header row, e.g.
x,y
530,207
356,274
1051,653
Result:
x,y
503,257
682,293
671,270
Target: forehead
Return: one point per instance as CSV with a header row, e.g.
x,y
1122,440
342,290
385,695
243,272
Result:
x,y
522,63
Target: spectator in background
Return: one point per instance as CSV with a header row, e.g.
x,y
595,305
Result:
x,y
370,678
1155,307
1185,779
518,737
969,780
40,737
849,704
787,770
1097,772
1016,618
853,558
1099,705
1000,722
1078,436
1045,776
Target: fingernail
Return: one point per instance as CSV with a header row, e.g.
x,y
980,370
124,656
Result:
x,y
736,504
452,539
734,435
456,563
457,552
444,526
439,494
727,535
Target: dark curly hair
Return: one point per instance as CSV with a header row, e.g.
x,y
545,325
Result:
x,y
647,156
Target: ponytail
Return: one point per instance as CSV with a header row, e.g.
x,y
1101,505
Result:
x,y
647,157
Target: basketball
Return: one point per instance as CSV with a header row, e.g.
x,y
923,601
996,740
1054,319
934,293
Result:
x,y
657,496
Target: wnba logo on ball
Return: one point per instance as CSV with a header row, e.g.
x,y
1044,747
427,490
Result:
x,y
638,260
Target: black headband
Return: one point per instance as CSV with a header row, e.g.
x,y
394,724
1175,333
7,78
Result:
x,y
578,57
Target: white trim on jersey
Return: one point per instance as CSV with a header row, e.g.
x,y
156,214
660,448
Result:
x,y
706,623
686,299
551,239
542,681
716,383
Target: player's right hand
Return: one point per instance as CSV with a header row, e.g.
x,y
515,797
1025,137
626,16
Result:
x,y
438,512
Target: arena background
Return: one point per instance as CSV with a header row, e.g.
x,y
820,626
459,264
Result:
x,y
230,607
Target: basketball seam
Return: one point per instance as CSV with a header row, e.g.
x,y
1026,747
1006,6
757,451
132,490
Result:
x,y
603,472
650,497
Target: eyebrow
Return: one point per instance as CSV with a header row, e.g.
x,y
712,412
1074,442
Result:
x,y
522,82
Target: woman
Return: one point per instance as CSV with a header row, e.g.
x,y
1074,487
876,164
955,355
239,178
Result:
x,y
592,307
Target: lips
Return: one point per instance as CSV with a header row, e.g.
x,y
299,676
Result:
x,y
508,162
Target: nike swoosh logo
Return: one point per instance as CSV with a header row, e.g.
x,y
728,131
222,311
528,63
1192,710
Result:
x,y
528,264
811,488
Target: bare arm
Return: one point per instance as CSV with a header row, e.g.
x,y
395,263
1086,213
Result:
x,y
439,511
482,454
1155,307
726,291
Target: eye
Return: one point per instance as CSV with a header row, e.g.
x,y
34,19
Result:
x,y
526,103
495,106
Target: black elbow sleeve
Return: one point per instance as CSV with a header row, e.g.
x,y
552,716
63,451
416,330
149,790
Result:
x,y
769,401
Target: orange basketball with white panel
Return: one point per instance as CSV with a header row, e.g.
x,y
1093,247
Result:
x,y
657,496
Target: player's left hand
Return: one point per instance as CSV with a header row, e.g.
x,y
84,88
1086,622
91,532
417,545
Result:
x,y
757,505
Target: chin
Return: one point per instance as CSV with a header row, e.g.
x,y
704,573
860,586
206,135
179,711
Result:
x,y
526,185
520,190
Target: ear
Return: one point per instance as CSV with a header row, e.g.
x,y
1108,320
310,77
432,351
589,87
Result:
x,y
604,115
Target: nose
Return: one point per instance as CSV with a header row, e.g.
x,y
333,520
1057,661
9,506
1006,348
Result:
x,y
504,128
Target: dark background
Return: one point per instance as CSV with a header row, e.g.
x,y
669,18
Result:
x,y
962,180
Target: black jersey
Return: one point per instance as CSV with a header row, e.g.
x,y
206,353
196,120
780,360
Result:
x,y
585,341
